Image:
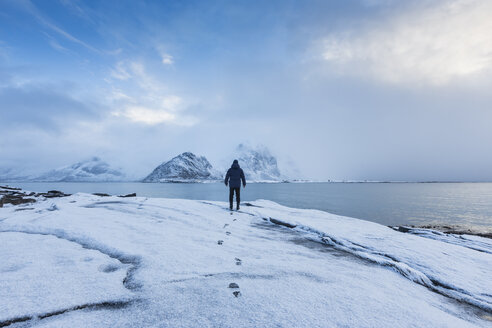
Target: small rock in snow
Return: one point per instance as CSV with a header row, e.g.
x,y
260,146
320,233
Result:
x,y
128,195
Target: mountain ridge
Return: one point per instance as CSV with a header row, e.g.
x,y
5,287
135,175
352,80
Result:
x,y
186,167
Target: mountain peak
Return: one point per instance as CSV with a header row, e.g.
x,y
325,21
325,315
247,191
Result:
x,y
183,168
258,163
93,169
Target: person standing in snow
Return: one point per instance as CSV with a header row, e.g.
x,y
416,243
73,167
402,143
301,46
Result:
x,y
233,178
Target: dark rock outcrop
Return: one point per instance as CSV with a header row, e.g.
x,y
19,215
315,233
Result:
x,y
15,196
128,195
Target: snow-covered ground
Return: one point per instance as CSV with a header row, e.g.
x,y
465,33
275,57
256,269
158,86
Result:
x,y
89,261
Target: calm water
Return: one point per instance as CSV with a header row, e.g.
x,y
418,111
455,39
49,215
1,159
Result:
x,y
385,203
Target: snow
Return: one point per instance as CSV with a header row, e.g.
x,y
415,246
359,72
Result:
x,y
90,170
186,167
158,263
33,266
258,164
427,261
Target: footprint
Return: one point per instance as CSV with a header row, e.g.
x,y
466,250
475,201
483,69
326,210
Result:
x,y
225,225
228,233
233,285
234,220
220,242
108,268
238,261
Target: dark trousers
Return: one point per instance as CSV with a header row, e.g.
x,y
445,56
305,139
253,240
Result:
x,y
231,196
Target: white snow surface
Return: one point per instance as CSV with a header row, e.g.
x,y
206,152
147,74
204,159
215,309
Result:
x,y
92,261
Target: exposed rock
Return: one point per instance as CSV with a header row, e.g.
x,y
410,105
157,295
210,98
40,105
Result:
x,y
251,205
16,196
101,194
23,209
237,293
52,194
129,195
233,285
15,200
285,224
403,229
10,188
448,229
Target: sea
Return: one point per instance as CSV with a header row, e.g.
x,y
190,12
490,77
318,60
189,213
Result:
x,y
392,204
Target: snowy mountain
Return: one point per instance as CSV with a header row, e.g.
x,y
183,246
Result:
x,y
186,167
92,170
13,175
258,164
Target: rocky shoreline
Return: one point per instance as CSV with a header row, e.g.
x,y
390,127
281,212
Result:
x,y
447,229
16,196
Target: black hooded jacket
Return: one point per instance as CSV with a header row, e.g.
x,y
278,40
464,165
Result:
x,y
234,176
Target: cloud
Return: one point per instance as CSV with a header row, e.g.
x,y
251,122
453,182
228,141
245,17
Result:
x,y
40,106
167,59
31,8
56,45
120,72
430,44
146,115
142,98
172,102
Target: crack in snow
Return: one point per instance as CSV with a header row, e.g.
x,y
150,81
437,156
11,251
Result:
x,y
90,306
133,260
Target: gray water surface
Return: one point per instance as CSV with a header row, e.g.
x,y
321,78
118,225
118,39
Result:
x,y
468,204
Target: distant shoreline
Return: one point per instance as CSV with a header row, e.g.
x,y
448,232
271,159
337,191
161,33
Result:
x,y
446,229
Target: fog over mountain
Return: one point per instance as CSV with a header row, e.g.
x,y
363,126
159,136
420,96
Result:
x,y
257,162
90,170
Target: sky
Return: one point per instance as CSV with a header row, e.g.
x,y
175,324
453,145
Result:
x,y
341,90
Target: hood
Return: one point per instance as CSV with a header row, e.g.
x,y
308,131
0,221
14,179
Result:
x,y
235,165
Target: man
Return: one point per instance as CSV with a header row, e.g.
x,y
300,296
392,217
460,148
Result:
x,y
233,177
